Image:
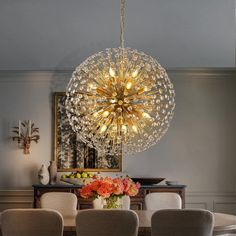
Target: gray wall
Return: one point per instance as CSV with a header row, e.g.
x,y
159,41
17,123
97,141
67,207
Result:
x,y
59,34
199,147
198,150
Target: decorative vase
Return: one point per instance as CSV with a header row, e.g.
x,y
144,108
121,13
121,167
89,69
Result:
x,y
98,203
113,202
43,175
52,172
125,202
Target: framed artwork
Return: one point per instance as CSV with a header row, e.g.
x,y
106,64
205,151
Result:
x,y
70,153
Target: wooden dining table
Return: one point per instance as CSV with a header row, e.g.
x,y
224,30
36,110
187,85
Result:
x,y
223,223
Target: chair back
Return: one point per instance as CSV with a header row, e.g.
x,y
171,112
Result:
x,y
65,203
158,201
106,223
182,223
31,222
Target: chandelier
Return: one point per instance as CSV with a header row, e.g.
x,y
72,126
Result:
x,y
120,99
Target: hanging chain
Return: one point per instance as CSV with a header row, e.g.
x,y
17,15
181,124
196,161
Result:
x,y
122,22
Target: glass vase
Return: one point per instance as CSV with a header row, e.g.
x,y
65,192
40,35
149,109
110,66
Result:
x,y
113,202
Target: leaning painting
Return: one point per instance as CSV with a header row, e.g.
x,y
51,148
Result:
x,y
72,154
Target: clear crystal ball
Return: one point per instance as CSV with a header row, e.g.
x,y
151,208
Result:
x,y
120,100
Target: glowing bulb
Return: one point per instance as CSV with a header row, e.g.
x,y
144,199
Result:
x,y
135,73
92,86
95,114
145,88
113,101
103,129
112,72
146,115
129,85
124,128
114,94
105,113
135,129
120,102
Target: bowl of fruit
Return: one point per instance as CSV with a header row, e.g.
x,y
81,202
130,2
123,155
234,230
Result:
x,y
78,178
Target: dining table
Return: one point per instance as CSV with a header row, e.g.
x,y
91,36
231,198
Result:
x,y
223,223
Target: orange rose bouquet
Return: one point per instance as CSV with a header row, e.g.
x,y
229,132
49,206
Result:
x,y
110,189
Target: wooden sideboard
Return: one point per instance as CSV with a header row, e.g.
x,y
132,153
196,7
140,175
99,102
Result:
x,y
137,202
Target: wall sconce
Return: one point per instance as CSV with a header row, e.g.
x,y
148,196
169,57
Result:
x,y
26,132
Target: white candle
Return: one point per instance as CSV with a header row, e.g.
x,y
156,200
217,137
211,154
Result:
x,y
19,128
29,128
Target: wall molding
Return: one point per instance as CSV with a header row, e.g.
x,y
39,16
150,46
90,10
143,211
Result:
x,y
227,206
210,194
14,76
224,202
203,73
34,76
202,205
16,199
18,193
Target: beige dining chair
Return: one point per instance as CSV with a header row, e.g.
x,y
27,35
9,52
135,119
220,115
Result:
x,y
64,202
182,222
31,222
106,223
158,201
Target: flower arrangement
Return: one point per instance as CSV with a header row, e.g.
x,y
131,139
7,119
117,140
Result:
x,y
110,189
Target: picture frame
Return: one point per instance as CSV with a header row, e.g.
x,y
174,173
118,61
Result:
x,y
70,153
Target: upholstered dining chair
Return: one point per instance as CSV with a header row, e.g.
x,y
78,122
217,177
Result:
x,y
182,222
106,223
31,222
158,201
64,202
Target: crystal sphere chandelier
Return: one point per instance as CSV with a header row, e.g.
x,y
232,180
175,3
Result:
x,y
120,99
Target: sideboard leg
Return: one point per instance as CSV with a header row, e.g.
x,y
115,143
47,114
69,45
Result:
x,y
35,198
